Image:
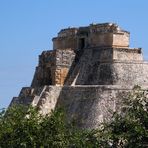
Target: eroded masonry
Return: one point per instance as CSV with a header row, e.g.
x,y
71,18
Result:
x,y
85,72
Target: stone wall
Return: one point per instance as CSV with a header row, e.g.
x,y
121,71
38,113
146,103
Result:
x,y
64,58
108,35
127,54
53,67
44,71
101,39
109,66
87,105
65,42
131,73
120,40
109,40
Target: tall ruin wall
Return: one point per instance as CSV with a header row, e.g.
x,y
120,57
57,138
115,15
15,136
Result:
x,y
86,72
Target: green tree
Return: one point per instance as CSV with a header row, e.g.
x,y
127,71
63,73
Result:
x,y
22,126
129,128
19,127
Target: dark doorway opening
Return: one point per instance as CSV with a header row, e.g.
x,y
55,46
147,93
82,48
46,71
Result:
x,y
82,43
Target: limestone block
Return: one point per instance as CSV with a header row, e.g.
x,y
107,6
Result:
x,y
127,54
120,40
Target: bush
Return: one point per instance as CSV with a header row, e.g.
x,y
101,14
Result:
x,y
22,126
130,127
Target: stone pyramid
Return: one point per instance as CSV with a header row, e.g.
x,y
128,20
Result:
x,y
85,73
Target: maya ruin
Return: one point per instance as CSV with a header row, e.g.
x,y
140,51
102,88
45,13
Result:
x,y
85,72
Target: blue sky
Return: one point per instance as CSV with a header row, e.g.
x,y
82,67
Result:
x,y
27,27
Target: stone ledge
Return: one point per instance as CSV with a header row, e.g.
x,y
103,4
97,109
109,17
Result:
x,y
110,87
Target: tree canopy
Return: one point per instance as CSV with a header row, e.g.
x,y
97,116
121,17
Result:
x,y
21,126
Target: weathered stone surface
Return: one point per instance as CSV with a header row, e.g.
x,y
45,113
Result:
x,y
89,105
107,34
53,67
86,72
107,66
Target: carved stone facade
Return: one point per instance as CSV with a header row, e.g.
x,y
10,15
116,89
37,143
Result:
x,y
95,35
53,67
85,72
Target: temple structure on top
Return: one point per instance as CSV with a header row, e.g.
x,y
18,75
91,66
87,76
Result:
x,y
86,72
98,54
99,35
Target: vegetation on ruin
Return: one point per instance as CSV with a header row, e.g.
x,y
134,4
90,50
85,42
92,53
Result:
x,y
128,128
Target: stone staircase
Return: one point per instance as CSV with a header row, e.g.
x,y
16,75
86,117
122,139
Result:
x,y
28,96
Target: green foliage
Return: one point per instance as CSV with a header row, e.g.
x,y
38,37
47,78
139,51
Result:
x,y
19,127
22,126
130,127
